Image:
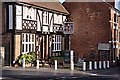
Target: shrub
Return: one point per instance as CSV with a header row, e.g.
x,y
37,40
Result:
x,y
29,58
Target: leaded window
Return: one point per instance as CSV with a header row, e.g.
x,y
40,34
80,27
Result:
x,y
28,42
57,39
29,24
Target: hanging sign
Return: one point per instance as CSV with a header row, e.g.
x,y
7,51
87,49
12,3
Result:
x,y
68,28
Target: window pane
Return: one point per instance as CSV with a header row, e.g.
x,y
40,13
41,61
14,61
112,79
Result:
x,y
58,46
22,47
57,39
22,37
32,37
26,47
26,37
30,48
29,38
55,47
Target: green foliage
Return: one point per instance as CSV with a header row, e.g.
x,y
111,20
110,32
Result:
x,y
29,58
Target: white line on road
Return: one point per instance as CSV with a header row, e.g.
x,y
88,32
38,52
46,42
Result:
x,y
74,77
93,74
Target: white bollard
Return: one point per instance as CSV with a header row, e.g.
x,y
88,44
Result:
x,y
55,64
71,60
90,65
23,63
95,65
84,66
108,64
100,65
104,64
37,64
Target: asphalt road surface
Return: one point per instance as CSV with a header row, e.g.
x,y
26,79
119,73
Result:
x,y
60,74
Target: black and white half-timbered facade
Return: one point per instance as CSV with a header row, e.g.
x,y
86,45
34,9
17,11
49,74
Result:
x,y
36,27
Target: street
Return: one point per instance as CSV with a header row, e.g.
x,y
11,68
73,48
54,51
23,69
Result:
x,y
60,74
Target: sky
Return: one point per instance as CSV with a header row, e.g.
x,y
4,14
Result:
x,y
61,1
117,5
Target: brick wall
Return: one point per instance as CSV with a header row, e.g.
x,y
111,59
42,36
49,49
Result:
x,y
91,26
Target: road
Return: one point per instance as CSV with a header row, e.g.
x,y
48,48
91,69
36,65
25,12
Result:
x,y
60,74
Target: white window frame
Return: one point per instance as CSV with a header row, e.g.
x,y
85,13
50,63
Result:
x,y
57,43
29,42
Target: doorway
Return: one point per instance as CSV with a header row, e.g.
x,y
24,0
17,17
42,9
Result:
x,y
43,44
6,54
104,55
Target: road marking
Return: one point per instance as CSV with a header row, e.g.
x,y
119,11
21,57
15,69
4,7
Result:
x,y
1,78
93,74
63,77
74,77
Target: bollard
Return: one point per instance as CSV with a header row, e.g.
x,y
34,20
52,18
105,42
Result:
x,y
71,60
84,66
23,63
90,65
108,64
104,64
55,64
37,64
95,65
100,66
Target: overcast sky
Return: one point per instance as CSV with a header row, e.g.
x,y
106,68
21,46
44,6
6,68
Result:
x,y
117,5
61,1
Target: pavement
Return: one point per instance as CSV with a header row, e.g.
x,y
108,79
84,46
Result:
x,y
12,73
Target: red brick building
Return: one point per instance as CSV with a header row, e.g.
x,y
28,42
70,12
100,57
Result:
x,y
96,32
